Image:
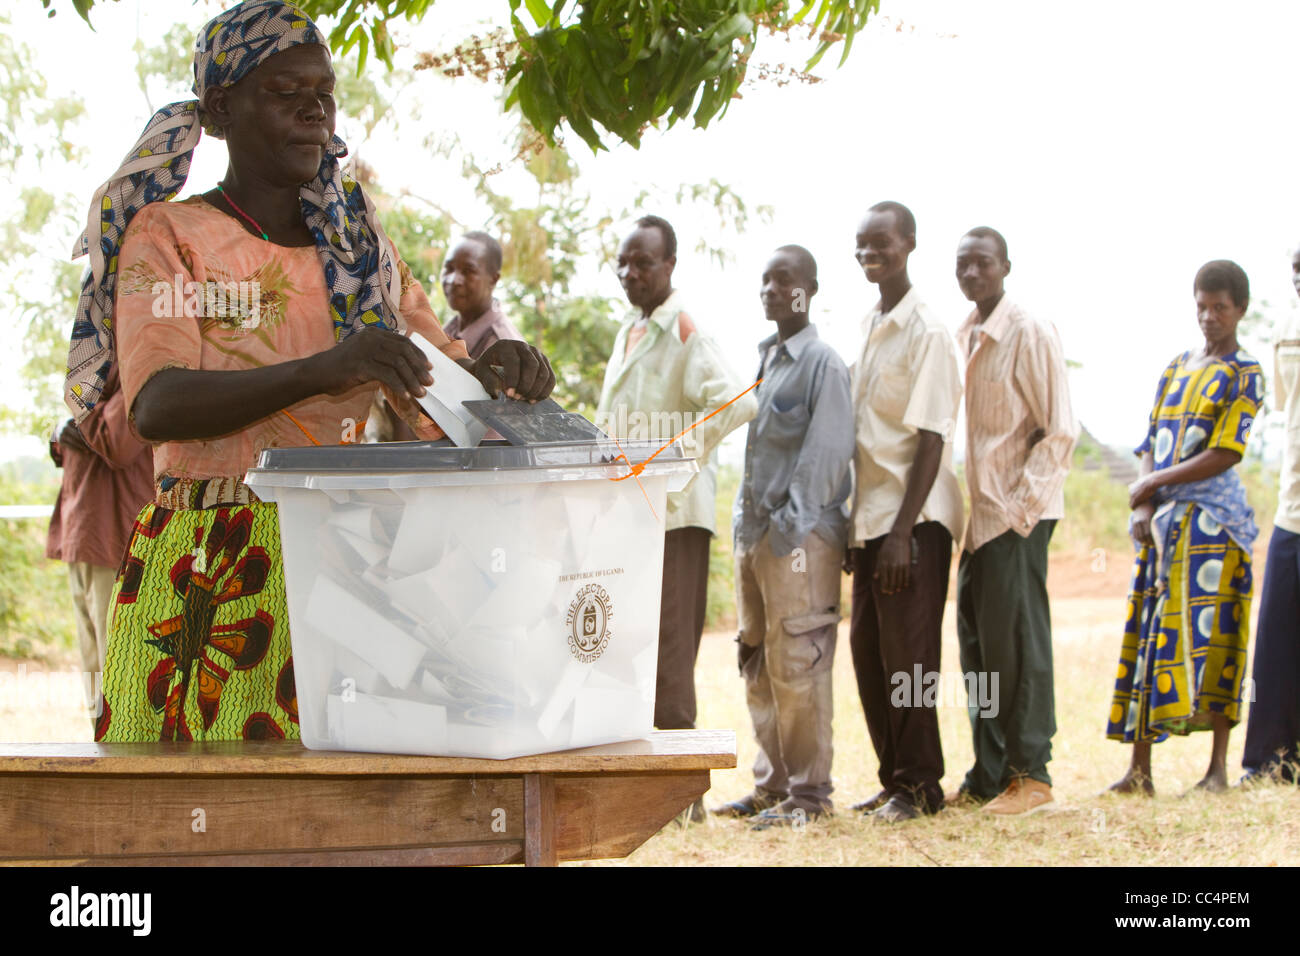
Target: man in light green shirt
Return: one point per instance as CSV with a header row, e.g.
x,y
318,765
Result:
x,y
663,376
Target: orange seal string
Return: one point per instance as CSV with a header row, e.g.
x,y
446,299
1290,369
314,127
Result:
x,y
635,469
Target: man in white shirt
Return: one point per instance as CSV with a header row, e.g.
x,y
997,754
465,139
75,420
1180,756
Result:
x,y
664,368
907,510
1273,727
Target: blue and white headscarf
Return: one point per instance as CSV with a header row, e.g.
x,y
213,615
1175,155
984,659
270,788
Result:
x,y
359,262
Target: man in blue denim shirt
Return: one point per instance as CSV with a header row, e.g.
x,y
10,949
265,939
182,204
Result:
x,y
789,526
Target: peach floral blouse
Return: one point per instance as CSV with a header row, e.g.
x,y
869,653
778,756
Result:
x,y
195,290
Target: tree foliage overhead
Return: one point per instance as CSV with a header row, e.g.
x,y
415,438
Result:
x,y
608,66
625,66
617,65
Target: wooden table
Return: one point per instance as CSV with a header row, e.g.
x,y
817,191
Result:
x,y
273,803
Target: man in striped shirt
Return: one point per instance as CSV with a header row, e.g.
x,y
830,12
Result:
x,y
1020,434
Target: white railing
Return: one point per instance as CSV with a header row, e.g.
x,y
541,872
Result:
x,y
26,511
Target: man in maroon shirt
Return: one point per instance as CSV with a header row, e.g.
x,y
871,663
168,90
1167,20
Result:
x,y
469,276
107,479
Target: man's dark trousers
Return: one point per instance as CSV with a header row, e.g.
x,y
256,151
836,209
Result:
x,y
1273,726
1004,628
682,604
890,635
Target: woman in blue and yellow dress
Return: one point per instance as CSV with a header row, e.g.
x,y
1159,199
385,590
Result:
x,y
1184,649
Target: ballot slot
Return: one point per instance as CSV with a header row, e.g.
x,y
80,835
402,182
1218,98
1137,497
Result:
x,y
493,601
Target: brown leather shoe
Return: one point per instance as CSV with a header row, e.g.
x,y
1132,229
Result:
x,y
872,805
1023,796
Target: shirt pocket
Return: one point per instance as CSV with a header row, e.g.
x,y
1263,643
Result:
x,y
988,389
996,369
890,391
786,427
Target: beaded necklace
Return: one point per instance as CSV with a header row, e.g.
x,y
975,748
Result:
x,y
251,221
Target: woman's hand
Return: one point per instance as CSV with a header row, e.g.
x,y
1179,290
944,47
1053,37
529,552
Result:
x,y
372,355
1141,490
515,368
70,437
1139,524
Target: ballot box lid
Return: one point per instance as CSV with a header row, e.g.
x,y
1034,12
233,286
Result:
x,y
423,463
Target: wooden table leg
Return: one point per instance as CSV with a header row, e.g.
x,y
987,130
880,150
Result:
x,y
539,820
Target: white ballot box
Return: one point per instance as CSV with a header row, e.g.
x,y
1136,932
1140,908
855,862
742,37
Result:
x,y
494,601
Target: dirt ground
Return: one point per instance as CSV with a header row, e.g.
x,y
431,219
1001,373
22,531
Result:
x,y
1088,827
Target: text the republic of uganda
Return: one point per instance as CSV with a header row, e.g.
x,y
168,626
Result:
x,y
584,575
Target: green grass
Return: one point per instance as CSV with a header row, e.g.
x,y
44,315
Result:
x,y
1088,828
36,618
721,612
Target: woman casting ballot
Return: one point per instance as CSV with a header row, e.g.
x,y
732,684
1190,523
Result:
x,y
297,309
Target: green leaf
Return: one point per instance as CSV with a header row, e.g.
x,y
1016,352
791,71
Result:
x,y
636,41
576,48
541,13
803,11
83,9
583,127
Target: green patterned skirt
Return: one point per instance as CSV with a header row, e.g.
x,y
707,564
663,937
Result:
x,y
198,641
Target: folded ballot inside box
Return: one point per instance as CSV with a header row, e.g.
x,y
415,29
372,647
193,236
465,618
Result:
x,y
489,601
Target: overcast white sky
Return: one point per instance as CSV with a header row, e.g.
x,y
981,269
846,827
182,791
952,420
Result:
x,y
1117,146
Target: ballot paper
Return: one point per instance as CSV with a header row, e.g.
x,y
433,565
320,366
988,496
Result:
x,y
336,613
416,545
452,385
599,713
368,551
354,519
387,724
350,667
438,692
531,586
570,682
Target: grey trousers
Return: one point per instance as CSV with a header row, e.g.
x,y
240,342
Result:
x,y
92,587
788,608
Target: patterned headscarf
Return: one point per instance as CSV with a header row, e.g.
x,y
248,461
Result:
x,y
359,262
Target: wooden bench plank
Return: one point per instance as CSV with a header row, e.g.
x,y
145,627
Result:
x,y
276,803
455,854
138,819
49,815
662,750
